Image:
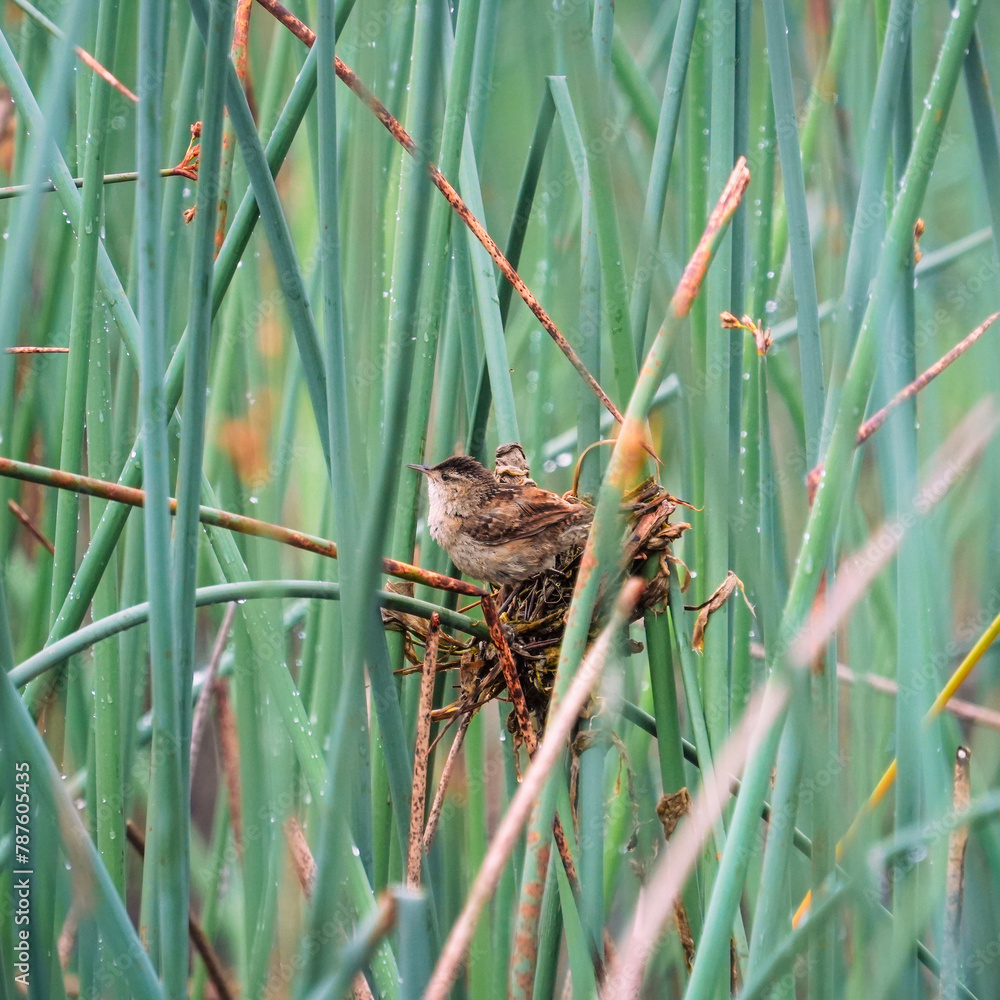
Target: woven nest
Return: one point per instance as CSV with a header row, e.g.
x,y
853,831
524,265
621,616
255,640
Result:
x,y
533,613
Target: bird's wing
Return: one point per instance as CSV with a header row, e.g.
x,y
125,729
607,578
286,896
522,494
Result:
x,y
536,509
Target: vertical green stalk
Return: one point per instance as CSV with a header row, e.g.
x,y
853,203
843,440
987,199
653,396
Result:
x,y
433,295
108,806
659,173
341,756
199,328
276,227
537,860
696,191
869,213
823,708
594,744
774,900
600,133
714,433
803,275
88,237
912,639
488,306
165,886
823,91
172,214
51,799
588,421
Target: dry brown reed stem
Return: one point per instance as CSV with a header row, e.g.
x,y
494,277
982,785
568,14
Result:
x,y
418,794
88,60
955,879
241,39
22,515
966,710
961,449
223,519
550,750
82,54
37,350
396,130
525,729
240,55
67,942
229,749
876,420
434,816
126,177
663,890
213,966
201,708
694,273
300,855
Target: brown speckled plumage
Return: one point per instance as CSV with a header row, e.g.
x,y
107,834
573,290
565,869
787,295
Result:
x,y
500,532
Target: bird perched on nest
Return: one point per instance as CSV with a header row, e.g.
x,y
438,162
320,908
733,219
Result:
x,y
501,532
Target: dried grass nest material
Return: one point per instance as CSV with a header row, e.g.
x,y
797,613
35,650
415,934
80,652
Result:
x,y
533,613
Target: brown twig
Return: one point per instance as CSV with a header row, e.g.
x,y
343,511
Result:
x,y
958,840
434,816
240,53
694,273
572,876
241,36
213,965
88,60
302,858
418,795
22,515
201,708
90,486
37,350
229,748
392,124
85,57
188,167
127,177
874,422
526,730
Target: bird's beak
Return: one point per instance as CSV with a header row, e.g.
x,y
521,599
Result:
x,y
425,469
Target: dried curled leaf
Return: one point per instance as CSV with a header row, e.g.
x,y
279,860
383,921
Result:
x,y
671,808
414,628
761,334
716,601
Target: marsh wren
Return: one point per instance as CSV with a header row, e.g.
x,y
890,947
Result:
x,y
500,532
